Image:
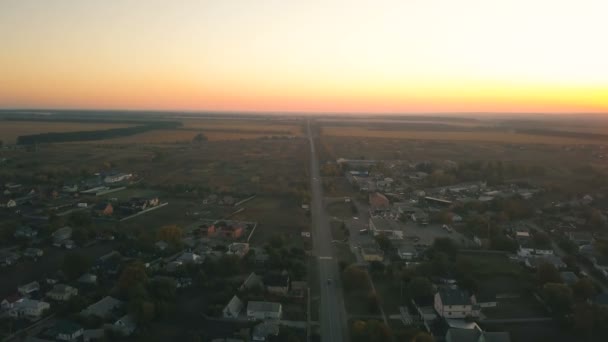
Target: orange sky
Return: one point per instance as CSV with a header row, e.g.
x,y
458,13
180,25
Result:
x,y
325,56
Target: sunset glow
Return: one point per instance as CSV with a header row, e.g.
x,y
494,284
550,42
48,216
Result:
x,y
319,56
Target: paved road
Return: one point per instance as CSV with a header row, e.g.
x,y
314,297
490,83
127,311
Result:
x,y
332,316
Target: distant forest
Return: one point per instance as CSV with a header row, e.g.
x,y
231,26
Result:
x,y
95,135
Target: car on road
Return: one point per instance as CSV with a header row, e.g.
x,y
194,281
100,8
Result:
x,y
355,218
329,281
363,231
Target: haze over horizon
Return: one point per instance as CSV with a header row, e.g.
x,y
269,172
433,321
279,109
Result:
x,y
336,56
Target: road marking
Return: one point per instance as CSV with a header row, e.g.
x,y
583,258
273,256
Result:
x,y
325,258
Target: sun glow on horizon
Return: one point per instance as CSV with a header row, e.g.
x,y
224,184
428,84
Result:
x,y
319,56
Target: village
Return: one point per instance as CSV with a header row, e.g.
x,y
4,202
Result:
x,y
420,251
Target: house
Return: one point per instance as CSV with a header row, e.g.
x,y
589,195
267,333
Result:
x,y
239,249
264,310
93,335
569,278
116,178
10,301
253,282
233,308
277,283
61,292
600,263
407,252
388,227
29,308
600,299
455,303
370,254
161,245
190,258
87,278
378,203
33,253
126,325
70,188
102,308
66,331
103,209
264,331
226,231
475,335
7,259
29,288
534,261
25,232
581,238
60,235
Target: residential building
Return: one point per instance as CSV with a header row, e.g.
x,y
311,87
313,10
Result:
x,y
66,331
60,235
126,325
226,231
29,288
239,249
370,254
102,308
378,203
233,308
253,282
61,292
264,310
407,252
581,238
455,303
33,253
103,209
264,331
190,258
25,232
88,278
29,308
10,301
475,335
116,178
277,283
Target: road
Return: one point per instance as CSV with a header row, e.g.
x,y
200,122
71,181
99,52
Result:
x,y
332,316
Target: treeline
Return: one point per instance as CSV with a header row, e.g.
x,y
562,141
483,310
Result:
x,y
94,135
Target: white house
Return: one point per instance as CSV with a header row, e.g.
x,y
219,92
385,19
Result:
x,y
102,308
125,325
233,308
264,310
29,288
67,331
455,303
29,308
61,292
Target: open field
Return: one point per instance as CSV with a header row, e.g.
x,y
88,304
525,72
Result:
x,y
475,136
254,126
10,130
175,136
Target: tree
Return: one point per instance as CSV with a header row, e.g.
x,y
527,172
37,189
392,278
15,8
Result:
x,y
423,337
583,289
199,138
547,273
558,297
75,264
420,287
384,243
134,274
171,234
445,245
355,278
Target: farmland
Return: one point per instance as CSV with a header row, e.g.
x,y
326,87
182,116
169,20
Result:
x,y
460,136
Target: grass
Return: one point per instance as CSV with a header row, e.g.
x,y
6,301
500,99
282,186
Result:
x,y
340,209
275,216
474,136
10,130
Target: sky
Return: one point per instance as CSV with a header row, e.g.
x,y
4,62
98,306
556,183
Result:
x,y
388,56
